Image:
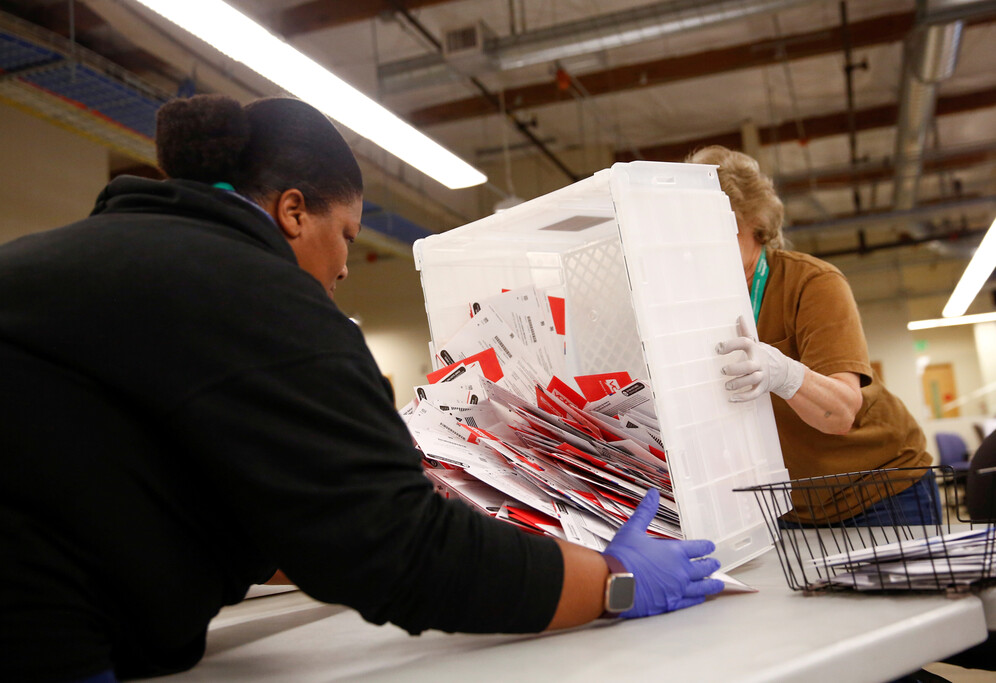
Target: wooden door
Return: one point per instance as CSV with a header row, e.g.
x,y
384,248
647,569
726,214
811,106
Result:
x,y
939,388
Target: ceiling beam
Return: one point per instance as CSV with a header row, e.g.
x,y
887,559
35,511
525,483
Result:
x,y
943,207
939,161
884,116
55,17
88,32
322,14
141,62
878,31
885,29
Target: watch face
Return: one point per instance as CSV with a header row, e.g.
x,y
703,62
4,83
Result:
x,y
620,593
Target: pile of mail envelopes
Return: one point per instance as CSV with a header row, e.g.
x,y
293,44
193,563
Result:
x,y
953,559
502,427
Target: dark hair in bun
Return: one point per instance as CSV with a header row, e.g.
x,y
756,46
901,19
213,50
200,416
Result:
x,y
262,149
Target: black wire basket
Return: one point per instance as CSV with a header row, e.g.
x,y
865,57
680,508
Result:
x,y
848,532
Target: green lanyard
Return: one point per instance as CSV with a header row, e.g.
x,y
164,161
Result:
x,y
757,286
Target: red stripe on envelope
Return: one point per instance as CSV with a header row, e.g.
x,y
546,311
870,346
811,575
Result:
x,y
489,364
478,433
544,403
565,393
595,387
532,516
558,309
578,453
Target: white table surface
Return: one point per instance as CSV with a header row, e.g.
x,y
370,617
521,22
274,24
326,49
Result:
x,y
773,635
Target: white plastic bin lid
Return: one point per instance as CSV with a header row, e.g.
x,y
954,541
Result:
x,y
679,240
646,256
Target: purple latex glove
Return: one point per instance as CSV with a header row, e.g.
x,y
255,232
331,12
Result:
x,y
668,577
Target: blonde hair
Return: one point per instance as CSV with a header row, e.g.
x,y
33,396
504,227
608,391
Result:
x,y
752,194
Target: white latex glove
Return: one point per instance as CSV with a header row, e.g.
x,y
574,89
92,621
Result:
x,y
766,368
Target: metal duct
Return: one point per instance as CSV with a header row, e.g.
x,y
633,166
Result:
x,y
931,53
577,38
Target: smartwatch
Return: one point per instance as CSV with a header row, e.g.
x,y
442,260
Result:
x,y
620,588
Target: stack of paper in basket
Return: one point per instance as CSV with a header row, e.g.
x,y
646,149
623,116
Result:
x,y
500,428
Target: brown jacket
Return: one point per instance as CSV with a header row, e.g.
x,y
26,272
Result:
x,y
809,314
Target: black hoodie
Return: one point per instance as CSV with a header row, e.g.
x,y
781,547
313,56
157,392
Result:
x,y
184,410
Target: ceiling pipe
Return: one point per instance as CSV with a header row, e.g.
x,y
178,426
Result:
x,y
577,38
877,170
930,56
956,208
904,293
866,264
949,237
494,99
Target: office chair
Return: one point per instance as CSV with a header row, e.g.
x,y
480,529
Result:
x,y
953,453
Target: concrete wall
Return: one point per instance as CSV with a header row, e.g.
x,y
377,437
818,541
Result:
x,y
895,347
891,344
49,176
956,345
971,349
985,347
386,297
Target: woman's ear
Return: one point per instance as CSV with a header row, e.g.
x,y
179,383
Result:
x,y
288,211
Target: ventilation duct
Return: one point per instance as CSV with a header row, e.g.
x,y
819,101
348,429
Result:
x,y
577,38
931,53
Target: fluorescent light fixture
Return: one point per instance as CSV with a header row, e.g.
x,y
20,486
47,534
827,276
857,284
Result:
x,y
239,37
950,322
976,273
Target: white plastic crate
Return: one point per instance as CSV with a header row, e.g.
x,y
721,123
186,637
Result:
x,y
645,255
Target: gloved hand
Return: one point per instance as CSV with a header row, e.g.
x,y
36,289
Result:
x,y
667,575
766,368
